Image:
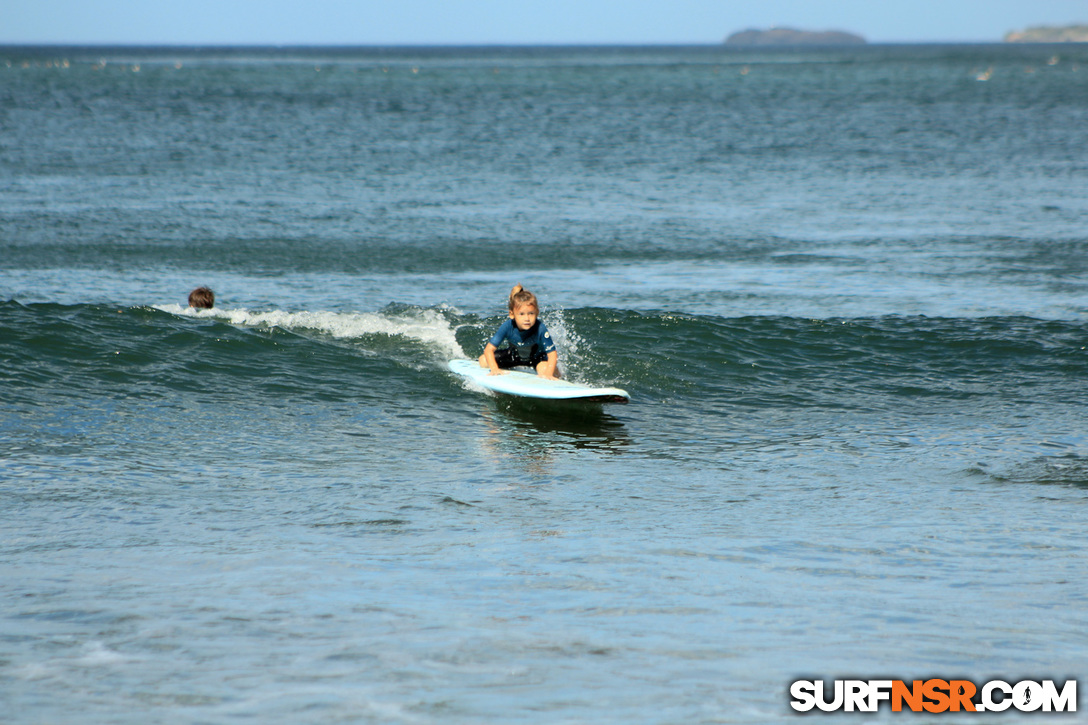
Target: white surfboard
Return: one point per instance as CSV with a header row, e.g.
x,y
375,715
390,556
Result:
x,y
530,385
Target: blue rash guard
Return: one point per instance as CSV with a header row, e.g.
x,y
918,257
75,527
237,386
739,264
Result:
x,y
526,348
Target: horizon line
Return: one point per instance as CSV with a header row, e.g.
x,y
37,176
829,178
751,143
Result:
x,y
633,44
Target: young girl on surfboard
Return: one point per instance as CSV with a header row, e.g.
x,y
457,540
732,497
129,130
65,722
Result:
x,y
530,343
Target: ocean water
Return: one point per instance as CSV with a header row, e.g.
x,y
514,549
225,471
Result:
x,y
846,289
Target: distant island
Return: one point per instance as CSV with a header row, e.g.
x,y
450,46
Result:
x,y
1049,34
789,36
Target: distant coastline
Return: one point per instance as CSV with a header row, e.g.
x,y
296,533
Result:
x,y
790,36
1049,34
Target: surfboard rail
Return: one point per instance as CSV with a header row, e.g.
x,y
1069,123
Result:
x,y
530,385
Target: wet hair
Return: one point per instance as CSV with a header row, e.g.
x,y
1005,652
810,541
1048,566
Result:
x,y
520,296
202,297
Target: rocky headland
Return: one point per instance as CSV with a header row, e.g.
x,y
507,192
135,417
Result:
x,y
1049,34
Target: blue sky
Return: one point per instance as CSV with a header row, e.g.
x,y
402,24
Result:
x,y
474,22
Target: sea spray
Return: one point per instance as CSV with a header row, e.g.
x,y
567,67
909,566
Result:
x,y
428,326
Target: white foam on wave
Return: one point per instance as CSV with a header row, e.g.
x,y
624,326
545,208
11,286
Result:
x,y
427,326
98,654
92,654
570,343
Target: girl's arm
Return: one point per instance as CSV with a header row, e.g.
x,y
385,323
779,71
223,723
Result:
x,y
487,360
550,367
